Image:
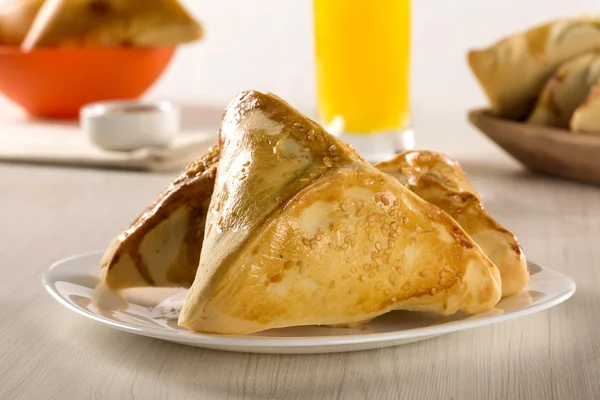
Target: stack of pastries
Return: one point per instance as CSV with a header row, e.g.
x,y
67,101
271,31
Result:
x,y
548,75
84,23
283,224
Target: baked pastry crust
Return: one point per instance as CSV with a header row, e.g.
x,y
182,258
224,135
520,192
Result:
x,y
566,90
302,231
16,17
112,23
441,181
586,117
513,71
162,246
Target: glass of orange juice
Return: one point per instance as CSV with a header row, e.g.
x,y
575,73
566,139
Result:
x,y
363,66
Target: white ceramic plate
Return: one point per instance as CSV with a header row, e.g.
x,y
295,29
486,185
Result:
x,y
153,312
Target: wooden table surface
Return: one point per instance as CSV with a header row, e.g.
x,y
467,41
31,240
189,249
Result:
x,y
48,352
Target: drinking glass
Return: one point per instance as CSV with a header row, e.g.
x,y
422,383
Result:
x,y
363,66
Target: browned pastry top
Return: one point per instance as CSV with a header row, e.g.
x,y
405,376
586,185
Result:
x,y
189,189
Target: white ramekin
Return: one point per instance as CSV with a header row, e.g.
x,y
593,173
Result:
x,y
130,125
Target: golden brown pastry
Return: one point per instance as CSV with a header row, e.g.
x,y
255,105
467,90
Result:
x,y
513,71
566,90
16,17
441,181
586,117
112,23
162,246
302,231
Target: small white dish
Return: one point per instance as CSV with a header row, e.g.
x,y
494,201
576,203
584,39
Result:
x,y
153,312
130,125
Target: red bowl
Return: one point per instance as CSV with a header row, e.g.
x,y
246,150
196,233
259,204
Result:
x,y
57,82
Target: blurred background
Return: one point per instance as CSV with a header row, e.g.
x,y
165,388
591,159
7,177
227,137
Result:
x,y
270,47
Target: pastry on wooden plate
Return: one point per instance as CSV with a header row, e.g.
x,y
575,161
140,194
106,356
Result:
x,y
302,231
441,181
586,117
162,246
112,23
566,90
513,71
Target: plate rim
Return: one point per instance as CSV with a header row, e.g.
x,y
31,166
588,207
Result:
x,y
298,342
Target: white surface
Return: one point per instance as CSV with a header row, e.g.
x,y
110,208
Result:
x,y
56,143
153,312
130,125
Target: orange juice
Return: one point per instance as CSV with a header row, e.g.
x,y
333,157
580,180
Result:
x,y
362,52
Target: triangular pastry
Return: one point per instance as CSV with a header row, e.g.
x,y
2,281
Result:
x,y
16,17
162,246
513,71
566,90
112,23
442,182
302,231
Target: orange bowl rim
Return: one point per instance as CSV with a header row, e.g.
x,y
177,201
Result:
x,y
8,49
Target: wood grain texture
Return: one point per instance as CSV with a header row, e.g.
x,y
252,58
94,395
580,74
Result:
x,y
550,150
47,352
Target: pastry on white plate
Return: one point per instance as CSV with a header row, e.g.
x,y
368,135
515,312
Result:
x,y
162,246
302,231
441,181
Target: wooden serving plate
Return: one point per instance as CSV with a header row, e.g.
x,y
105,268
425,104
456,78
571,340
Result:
x,y
540,148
